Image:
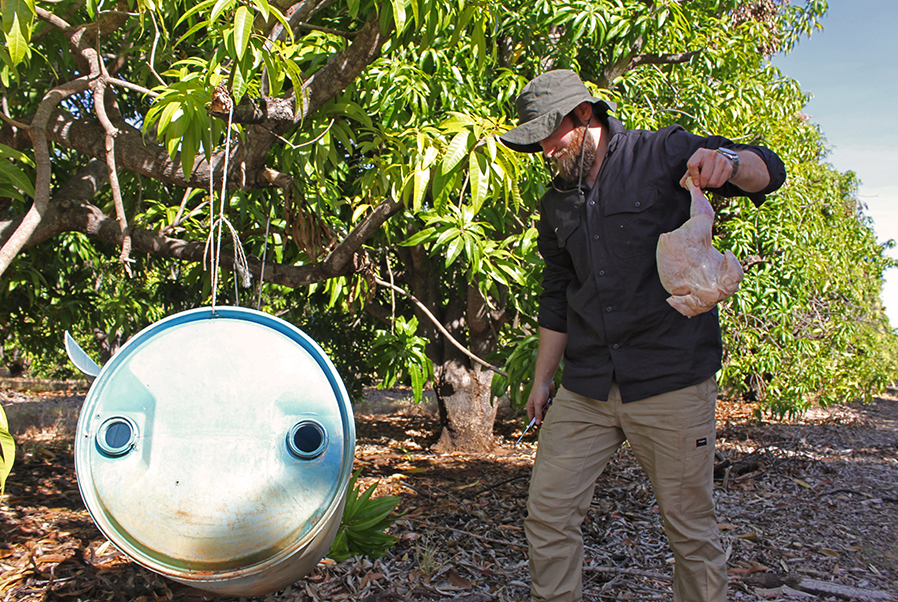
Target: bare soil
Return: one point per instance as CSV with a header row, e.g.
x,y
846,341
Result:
x,y
808,510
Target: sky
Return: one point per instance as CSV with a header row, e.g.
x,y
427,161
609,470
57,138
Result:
x,y
851,70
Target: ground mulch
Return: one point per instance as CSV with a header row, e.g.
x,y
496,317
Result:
x,y
808,510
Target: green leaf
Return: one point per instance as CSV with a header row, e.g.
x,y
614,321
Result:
x,y
262,5
454,249
220,7
7,451
243,29
420,237
416,12
198,26
17,178
479,180
422,177
456,151
399,14
240,82
195,9
18,22
273,10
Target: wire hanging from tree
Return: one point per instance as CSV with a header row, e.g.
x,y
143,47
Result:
x,y
241,267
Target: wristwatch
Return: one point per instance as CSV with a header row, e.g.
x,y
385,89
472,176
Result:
x,y
734,159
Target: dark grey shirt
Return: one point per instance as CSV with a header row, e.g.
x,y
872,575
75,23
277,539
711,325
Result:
x,y
600,282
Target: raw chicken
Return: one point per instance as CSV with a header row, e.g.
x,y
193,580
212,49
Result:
x,y
691,270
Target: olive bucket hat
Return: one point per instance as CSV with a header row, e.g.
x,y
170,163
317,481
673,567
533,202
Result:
x,y
542,105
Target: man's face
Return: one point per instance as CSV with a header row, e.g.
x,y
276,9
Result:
x,y
564,147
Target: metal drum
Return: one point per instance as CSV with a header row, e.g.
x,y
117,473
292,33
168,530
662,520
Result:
x,y
215,448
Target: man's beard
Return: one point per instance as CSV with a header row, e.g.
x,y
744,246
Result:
x,y
567,161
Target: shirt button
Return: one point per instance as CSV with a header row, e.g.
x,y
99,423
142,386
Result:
x,y
637,203
596,237
615,346
592,202
608,309
601,272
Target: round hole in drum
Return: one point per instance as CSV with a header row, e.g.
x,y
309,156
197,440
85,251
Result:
x,y
116,436
307,440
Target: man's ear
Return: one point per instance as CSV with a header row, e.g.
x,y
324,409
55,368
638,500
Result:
x,y
584,111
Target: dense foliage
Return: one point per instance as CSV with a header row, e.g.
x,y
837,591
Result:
x,y
365,184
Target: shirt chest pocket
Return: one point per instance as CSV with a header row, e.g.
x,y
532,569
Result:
x,y
633,222
567,221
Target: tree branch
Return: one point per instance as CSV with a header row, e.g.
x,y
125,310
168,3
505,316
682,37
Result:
x,y
42,161
662,59
439,326
73,213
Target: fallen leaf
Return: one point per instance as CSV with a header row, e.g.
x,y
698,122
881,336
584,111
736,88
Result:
x,y
469,485
370,577
803,483
51,558
769,594
750,536
755,567
726,526
458,581
829,552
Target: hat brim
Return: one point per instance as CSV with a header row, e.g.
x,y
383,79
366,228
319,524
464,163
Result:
x,y
526,137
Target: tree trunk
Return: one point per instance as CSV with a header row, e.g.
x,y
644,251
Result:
x,y
462,386
467,413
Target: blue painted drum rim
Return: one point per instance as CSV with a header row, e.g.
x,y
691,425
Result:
x,y
131,486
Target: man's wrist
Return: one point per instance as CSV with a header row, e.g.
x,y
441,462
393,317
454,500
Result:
x,y
734,161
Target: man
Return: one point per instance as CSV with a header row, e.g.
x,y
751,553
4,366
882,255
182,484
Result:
x,y
634,368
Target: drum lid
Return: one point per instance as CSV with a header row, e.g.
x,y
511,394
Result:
x,y
213,441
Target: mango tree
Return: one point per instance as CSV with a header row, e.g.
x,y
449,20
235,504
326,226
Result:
x,y
347,149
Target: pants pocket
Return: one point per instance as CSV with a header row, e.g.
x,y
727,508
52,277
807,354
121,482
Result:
x,y
698,469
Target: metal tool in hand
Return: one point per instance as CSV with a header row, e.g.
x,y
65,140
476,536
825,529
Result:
x,y
533,421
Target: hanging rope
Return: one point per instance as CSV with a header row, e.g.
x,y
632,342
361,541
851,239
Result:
x,y
241,267
264,254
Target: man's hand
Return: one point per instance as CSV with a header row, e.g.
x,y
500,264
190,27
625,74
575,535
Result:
x,y
708,169
536,403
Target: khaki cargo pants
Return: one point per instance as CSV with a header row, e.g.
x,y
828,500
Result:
x,y
672,436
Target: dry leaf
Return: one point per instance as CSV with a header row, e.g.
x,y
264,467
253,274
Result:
x,y
458,581
469,485
754,567
51,558
769,594
726,526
